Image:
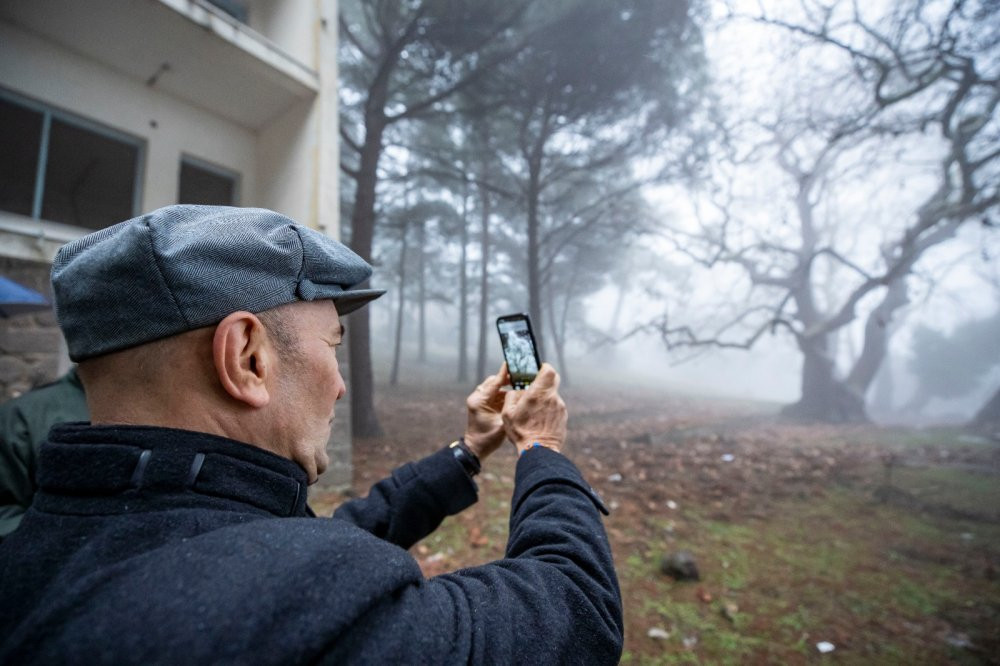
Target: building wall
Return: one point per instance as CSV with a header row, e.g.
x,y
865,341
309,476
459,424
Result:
x,y
297,33
287,162
48,73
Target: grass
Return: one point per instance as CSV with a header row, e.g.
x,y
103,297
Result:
x,y
835,566
821,570
971,492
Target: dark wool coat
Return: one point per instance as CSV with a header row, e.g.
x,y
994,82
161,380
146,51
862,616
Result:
x,y
150,545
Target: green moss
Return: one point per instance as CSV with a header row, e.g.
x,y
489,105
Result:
x,y
943,487
915,598
797,621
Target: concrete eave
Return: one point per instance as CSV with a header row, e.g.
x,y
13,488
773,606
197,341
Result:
x,y
34,240
184,48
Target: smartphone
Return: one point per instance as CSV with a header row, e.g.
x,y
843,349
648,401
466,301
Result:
x,y
519,349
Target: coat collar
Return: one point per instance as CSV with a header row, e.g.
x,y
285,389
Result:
x,y
92,469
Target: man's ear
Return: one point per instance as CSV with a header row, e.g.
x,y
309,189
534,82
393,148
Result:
x,y
243,358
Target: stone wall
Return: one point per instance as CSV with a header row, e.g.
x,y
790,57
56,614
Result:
x,y
31,345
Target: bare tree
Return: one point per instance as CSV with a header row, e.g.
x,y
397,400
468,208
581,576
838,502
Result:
x,y
921,80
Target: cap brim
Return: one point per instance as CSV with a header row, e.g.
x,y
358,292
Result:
x,y
349,301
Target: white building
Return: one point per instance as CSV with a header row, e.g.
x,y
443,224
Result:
x,y
109,108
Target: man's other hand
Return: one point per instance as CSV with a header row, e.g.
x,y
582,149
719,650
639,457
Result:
x,y
536,414
485,433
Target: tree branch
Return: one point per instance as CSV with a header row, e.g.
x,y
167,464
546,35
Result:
x,y
685,337
829,251
348,140
353,173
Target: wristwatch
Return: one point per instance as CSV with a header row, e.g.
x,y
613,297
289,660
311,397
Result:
x,y
464,455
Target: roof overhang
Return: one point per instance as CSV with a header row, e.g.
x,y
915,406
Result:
x,y
182,47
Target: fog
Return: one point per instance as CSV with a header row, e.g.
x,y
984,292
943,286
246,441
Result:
x,y
770,373
779,209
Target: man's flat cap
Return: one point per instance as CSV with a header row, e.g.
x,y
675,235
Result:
x,y
184,267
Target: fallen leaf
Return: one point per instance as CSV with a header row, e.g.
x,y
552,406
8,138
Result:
x,y
477,538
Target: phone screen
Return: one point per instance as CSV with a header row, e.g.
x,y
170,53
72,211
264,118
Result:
x,y
519,349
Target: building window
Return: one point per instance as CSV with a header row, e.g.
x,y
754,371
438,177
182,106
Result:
x,y
63,168
20,136
202,183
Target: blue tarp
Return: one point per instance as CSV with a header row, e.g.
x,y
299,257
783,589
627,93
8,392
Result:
x,y
16,298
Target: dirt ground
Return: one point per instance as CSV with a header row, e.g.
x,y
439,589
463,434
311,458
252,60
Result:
x,y
813,543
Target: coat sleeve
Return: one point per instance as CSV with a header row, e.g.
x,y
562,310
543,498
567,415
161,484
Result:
x,y
17,465
24,424
413,501
553,599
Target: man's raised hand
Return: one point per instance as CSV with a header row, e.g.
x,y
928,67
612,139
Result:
x,y
536,414
484,432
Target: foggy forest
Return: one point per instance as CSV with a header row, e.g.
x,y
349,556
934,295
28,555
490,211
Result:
x,y
817,179
762,230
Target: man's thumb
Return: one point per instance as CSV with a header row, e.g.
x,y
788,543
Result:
x,y
547,377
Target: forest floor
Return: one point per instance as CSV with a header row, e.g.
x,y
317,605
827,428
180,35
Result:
x,y
882,543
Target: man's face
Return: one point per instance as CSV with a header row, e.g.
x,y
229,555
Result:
x,y
308,384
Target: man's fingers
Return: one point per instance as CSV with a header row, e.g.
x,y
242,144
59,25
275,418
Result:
x,y
493,382
510,399
547,378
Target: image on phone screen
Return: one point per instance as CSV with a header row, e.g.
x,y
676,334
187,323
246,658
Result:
x,y
519,349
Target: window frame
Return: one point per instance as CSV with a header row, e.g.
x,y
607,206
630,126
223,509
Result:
x,y
50,112
215,170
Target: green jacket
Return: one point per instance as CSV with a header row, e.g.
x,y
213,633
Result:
x,y
24,424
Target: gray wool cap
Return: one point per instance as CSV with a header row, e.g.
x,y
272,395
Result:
x,y
184,267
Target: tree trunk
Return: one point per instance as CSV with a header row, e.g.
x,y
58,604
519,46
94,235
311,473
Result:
x,y
534,282
484,285
364,421
824,397
534,193
398,344
558,327
560,323
883,393
422,288
987,419
878,329
463,289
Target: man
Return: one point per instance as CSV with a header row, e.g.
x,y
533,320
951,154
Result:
x,y
24,423
175,528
